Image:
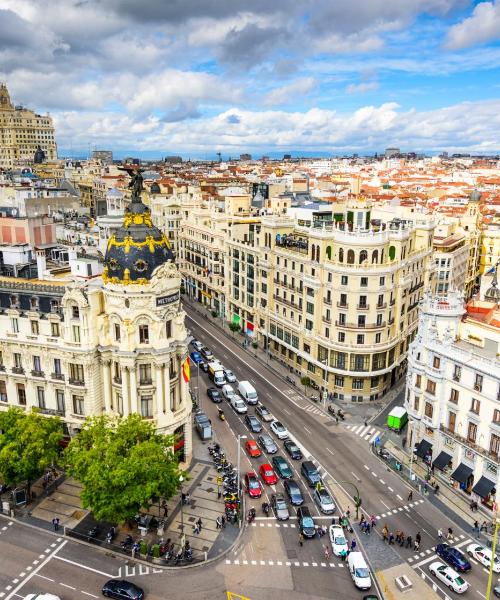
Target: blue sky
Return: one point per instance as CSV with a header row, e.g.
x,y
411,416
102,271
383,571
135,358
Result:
x,y
200,76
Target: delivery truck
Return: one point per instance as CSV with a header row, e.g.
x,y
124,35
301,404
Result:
x,y
216,373
397,418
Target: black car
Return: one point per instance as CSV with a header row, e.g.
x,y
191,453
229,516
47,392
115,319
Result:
x,y
293,492
214,395
253,424
306,522
293,450
310,473
453,557
124,590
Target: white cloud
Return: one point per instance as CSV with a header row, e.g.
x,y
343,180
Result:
x,y
363,87
482,26
288,93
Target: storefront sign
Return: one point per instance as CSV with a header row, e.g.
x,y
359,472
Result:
x,y
469,455
491,468
165,300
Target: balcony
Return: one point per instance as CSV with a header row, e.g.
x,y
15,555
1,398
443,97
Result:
x,y
288,302
357,326
325,320
416,287
381,306
52,412
18,370
342,305
58,376
36,373
327,301
391,321
392,302
363,306
79,382
146,382
469,444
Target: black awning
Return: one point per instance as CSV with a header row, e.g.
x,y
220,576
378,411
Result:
x,y
423,448
461,473
441,461
484,487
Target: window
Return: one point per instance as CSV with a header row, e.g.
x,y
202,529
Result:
x,y
310,308
76,333
40,397
378,337
495,444
431,387
374,382
475,406
344,280
144,334
117,332
76,373
429,409
339,381
360,338
3,391
309,325
60,401
34,327
496,416
436,362
21,394
54,329
416,402
350,257
361,320
343,299
418,381
357,384
478,383
341,336
146,406
472,432
457,373
15,325
341,255
452,419
342,318
454,394
75,312
362,302
37,365
307,349
381,281
145,374
78,405
18,363
363,256
168,324
364,281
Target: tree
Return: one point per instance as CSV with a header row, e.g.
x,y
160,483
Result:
x,y
306,382
28,445
234,326
122,464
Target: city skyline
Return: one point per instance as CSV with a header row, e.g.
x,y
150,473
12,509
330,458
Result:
x,y
196,79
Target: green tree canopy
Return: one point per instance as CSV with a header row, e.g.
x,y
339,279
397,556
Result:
x,y
29,443
122,464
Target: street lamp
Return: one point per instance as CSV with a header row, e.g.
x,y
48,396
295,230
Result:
x,y
238,476
181,479
325,381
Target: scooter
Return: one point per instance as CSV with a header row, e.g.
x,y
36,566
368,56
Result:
x,y
340,414
222,416
127,542
314,398
265,508
110,536
251,515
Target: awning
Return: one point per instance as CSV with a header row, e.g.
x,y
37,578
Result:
x,y
461,473
484,487
423,448
441,461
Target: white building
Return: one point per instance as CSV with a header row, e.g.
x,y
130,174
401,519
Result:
x,y
451,255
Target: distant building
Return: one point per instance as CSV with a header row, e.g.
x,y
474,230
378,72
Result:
x,y
287,156
173,159
105,156
245,157
390,152
23,134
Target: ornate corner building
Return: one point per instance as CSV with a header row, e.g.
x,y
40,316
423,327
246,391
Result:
x,y
110,345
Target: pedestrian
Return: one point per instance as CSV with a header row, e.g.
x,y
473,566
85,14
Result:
x,y
218,523
484,526
475,528
440,535
402,539
165,508
223,521
416,546
385,533
391,538
418,538
353,545
343,555
373,520
410,496
301,539
348,512
199,523
436,489
426,489
327,553
55,523
367,528
196,528
449,535
398,535
408,541
403,443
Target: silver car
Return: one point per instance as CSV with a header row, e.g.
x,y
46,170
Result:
x,y
267,444
324,501
280,507
230,376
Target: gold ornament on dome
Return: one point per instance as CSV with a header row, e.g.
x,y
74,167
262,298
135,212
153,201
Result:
x,y
137,219
128,243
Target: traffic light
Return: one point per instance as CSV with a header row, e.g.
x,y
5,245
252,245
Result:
x,y
357,501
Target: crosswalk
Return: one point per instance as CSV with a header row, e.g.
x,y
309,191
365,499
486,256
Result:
x,y
285,563
310,408
428,555
368,433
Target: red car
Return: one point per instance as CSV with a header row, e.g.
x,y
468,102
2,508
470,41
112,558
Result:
x,y
253,486
252,448
267,474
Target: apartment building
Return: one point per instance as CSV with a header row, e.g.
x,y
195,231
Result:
x,y
453,393
451,256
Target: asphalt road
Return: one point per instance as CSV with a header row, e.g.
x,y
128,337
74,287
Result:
x,y
345,458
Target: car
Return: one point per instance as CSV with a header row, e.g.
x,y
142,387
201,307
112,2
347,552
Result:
x,y
282,467
204,366
453,557
279,430
122,589
196,357
238,405
310,473
214,395
267,474
207,354
483,555
337,539
324,500
253,485
280,507
228,391
293,492
293,450
252,449
496,591
267,444
196,345
449,577
41,597
229,375
264,414
253,424
306,523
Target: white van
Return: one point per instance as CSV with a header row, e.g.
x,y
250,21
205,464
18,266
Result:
x,y
248,392
359,571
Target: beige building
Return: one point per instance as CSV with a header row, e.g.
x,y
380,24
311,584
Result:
x,y
451,256
22,133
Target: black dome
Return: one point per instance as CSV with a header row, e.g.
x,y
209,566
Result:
x,y
155,188
137,248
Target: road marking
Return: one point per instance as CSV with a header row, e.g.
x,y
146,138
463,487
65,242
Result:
x,y
390,489
89,594
332,453
366,467
67,586
287,411
385,506
76,564
374,474
43,577
398,496
355,476
306,429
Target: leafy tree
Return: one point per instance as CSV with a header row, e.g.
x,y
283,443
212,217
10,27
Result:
x,y
234,327
306,382
122,464
29,444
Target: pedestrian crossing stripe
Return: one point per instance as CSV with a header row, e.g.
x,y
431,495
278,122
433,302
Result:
x,y
368,433
281,563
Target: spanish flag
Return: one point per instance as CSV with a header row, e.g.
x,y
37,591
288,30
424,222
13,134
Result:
x,y
186,371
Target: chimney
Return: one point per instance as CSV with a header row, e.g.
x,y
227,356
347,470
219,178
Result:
x,y
41,263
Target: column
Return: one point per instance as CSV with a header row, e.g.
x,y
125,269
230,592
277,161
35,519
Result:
x,y
168,395
125,392
106,365
134,400
160,394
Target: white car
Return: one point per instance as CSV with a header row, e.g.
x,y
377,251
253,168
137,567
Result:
x,y
324,500
228,392
238,405
338,540
279,430
230,376
41,597
449,577
197,345
483,555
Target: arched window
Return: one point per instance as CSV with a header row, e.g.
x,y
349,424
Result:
x,y
363,256
382,256
341,255
392,252
313,252
329,252
375,256
317,253
350,257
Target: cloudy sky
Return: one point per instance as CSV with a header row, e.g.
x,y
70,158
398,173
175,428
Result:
x,y
199,76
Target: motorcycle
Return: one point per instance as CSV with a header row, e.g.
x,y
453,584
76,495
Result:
x,y
222,416
340,414
251,515
93,532
110,536
169,554
314,398
290,380
127,542
265,508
